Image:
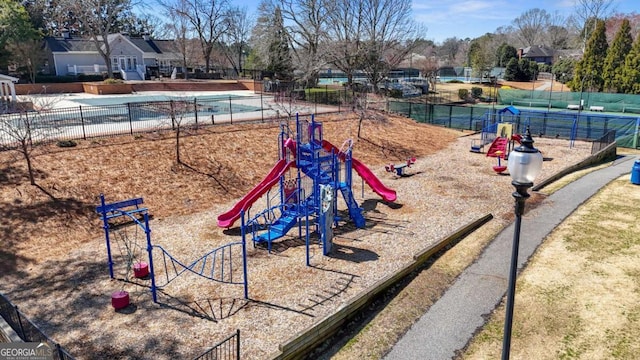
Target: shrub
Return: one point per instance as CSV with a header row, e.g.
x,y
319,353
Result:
x,y
66,143
113,81
476,92
455,81
84,77
48,79
395,93
463,94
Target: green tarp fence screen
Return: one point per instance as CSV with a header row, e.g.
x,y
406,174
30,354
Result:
x,y
619,103
566,124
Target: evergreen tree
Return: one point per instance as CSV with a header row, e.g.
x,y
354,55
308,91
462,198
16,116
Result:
x,y
563,70
20,43
511,72
279,58
588,71
630,79
505,52
616,54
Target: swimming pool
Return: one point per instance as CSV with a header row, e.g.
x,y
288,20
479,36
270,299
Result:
x,y
138,98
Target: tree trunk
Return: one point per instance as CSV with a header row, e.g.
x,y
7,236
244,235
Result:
x,y
27,157
178,145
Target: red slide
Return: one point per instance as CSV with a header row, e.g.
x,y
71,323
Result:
x,y
227,219
499,144
369,177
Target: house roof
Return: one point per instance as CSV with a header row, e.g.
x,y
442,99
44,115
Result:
x,y
87,45
69,45
148,46
537,51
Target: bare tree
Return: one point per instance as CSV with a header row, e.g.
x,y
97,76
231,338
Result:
x,y
586,13
343,47
261,33
176,113
20,132
429,67
209,19
557,34
237,37
305,22
98,19
389,34
449,50
531,26
178,28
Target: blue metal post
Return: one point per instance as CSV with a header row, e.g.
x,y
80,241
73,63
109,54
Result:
x,y
105,226
635,137
307,237
244,256
147,231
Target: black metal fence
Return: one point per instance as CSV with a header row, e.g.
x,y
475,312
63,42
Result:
x,y
227,349
104,120
28,331
606,140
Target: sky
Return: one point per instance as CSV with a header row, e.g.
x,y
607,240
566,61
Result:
x,y
474,18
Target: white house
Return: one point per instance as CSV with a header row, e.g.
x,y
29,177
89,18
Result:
x,y
136,58
7,89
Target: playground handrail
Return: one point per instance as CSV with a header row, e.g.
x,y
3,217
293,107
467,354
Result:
x,y
190,267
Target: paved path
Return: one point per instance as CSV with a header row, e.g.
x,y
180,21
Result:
x,y
451,322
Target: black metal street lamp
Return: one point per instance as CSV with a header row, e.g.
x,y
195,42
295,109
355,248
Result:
x,y
525,163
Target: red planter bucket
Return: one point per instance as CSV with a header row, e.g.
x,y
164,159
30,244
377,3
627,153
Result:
x,y
141,270
119,299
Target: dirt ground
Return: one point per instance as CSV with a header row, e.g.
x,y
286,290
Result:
x,y
53,243
53,261
70,180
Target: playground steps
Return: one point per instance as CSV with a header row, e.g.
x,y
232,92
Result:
x,y
499,144
354,210
278,229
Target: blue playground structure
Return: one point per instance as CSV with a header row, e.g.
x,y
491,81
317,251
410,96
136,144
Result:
x,y
310,173
216,265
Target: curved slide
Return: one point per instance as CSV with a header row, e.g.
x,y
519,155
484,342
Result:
x,y
228,218
367,175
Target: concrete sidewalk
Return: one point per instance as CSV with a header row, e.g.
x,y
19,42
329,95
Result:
x,y
451,322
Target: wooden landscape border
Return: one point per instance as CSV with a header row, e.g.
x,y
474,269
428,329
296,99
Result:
x,y
311,337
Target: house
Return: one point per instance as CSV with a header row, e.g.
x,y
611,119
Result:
x,y
539,54
7,89
135,58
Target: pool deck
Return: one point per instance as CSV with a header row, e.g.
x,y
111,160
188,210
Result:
x,y
71,100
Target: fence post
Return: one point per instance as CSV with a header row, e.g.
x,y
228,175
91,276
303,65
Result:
x,y
471,119
230,109
261,107
130,120
195,110
410,103
84,135
450,113
22,334
59,351
172,113
238,344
